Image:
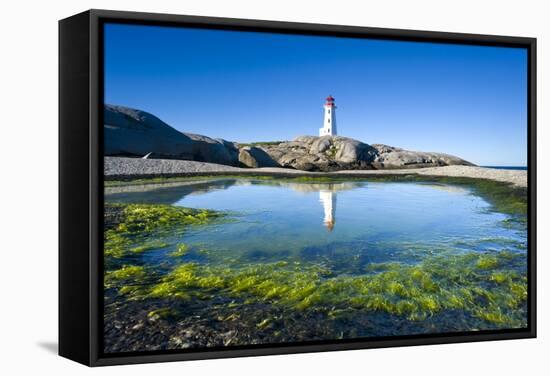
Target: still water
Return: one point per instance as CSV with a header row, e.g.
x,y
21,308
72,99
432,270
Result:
x,y
347,228
278,220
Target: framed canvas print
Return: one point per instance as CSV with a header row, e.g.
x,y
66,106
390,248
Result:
x,y
240,187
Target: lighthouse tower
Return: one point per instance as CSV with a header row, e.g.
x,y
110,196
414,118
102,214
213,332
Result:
x,y
329,124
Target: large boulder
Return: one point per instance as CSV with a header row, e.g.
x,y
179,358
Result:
x,y
134,133
326,153
255,157
206,149
333,153
389,157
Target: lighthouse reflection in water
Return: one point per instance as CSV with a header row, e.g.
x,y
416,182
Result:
x,y
270,220
328,199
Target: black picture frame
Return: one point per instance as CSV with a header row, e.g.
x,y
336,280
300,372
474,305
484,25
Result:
x,y
81,184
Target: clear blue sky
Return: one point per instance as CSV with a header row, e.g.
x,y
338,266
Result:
x,y
470,101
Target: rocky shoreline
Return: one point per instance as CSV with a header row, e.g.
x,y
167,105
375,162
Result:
x,y
337,153
116,168
133,133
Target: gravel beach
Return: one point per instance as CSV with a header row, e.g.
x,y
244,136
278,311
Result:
x,y
118,168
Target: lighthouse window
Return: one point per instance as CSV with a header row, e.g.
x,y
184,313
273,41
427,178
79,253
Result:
x,y
329,120
329,111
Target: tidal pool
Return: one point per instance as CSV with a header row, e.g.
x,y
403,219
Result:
x,y
274,260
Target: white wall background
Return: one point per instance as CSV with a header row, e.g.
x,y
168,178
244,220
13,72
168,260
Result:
x,y
28,162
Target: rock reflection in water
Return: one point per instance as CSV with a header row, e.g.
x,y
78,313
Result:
x,y
177,191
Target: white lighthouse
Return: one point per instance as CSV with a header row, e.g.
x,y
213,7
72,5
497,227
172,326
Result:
x,y
329,124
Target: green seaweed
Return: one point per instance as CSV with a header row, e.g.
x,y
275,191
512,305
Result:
x,y
155,244
128,274
264,323
496,295
162,313
500,277
181,250
487,262
136,224
148,217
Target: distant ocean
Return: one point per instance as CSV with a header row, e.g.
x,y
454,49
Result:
x,y
507,167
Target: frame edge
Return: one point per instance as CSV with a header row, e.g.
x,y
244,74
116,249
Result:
x,y
93,18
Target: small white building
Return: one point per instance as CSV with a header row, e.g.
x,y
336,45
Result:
x,y
329,124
